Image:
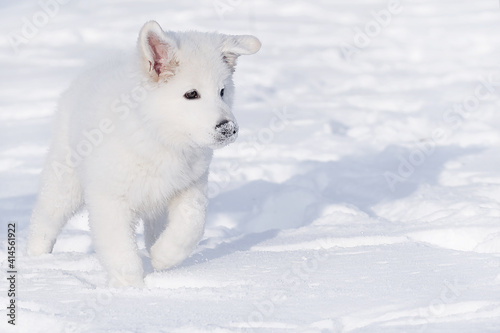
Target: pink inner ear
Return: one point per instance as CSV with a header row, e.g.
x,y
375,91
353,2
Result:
x,y
160,53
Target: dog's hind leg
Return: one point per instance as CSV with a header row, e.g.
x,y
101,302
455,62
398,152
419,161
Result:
x,y
186,219
58,199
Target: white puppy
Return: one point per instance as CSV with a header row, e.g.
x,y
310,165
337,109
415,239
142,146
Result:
x,y
133,140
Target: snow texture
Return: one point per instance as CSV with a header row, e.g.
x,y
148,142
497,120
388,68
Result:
x,y
362,195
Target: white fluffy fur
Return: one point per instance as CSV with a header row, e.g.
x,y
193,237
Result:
x,y
130,146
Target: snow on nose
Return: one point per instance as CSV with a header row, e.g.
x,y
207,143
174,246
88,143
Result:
x,y
226,128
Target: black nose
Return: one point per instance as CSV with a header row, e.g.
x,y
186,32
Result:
x,y
227,128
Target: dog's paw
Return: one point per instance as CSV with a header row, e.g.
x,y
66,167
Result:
x,y
37,247
161,265
163,259
126,275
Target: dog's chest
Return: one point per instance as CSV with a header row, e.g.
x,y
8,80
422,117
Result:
x,y
156,180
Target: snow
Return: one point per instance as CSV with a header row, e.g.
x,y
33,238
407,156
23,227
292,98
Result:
x,y
362,195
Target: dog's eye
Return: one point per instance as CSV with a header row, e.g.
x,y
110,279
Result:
x,y
222,92
192,94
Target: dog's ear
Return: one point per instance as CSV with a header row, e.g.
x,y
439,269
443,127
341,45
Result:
x,y
234,46
157,51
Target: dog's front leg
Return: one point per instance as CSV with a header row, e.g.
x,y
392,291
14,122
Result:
x,y
111,223
186,219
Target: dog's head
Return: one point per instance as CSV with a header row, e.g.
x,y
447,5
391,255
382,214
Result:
x,y
191,73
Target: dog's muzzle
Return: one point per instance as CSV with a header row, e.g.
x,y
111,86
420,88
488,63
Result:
x,y
227,131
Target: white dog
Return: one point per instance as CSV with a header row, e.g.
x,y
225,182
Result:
x,y
133,140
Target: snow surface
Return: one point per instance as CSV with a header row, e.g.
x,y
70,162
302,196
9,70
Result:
x,y
371,206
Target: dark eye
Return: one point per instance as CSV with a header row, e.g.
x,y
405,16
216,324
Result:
x,y
222,92
192,94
